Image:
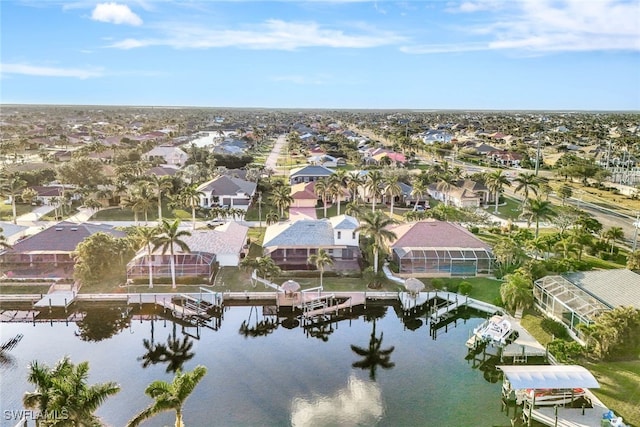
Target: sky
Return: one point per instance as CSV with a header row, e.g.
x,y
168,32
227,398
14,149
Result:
x,y
341,54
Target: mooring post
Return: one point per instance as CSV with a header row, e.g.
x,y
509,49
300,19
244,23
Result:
x,y
50,305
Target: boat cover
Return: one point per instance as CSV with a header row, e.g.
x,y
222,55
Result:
x,y
548,376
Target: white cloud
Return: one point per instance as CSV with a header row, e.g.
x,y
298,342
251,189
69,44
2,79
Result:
x,y
32,70
540,26
273,34
115,13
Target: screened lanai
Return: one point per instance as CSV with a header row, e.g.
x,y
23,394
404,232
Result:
x,y
443,261
560,298
192,264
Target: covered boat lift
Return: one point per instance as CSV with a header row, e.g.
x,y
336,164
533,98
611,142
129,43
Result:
x,y
540,377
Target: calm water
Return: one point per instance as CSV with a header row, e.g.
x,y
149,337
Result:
x,y
265,374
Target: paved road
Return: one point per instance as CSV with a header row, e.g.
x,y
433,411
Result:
x,y
272,159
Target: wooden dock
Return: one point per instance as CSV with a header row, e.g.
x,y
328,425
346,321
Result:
x,y
567,417
356,299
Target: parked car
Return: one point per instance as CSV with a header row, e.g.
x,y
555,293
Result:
x,y
215,222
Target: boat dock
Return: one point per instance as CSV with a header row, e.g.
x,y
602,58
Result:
x,y
59,296
565,416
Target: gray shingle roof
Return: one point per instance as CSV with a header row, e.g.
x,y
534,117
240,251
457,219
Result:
x,y
225,186
302,233
310,170
62,237
344,222
613,287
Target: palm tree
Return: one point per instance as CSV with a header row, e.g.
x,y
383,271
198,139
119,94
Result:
x,y
517,291
160,184
79,400
526,182
64,389
320,260
281,198
42,377
170,396
418,191
539,210
614,234
373,185
374,226
337,183
353,209
392,189
566,246
321,188
12,187
445,182
354,182
190,196
169,237
374,355
272,217
496,181
146,237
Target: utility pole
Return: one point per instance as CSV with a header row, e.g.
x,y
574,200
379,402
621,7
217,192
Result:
x,y
537,157
635,234
260,207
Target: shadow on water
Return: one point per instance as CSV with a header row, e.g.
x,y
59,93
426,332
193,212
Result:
x,y
101,323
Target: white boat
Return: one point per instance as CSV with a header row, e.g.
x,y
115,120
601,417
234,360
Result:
x,y
495,330
549,396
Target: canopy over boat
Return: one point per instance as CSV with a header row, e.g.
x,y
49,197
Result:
x,y
549,376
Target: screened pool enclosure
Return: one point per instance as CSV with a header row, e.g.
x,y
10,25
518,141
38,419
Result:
x,y
193,264
560,298
454,262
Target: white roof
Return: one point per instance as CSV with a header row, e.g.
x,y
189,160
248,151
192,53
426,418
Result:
x,y
549,376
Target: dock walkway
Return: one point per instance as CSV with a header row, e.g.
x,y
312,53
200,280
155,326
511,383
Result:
x,y
567,417
356,299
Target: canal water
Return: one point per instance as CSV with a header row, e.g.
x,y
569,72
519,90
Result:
x,y
265,371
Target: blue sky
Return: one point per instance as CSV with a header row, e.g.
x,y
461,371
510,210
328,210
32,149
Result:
x,y
475,54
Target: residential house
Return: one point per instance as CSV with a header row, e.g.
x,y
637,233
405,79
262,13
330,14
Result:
x,y
439,249
291,243
227,191
309,173
46,193
224,246
323,160
167,154
578,298
304,195
49,252
506,158
380,156
436,135
461,194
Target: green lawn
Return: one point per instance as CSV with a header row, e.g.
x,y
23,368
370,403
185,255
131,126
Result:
x,y
483,288
509,210
620,387
6,211
12,288
126,214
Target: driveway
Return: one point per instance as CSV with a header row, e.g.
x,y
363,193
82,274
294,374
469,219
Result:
x,y
272,159
302,213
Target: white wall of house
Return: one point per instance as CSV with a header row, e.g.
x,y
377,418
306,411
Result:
x,y
228,260
346,237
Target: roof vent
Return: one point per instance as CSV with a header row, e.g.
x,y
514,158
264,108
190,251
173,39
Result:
x,y
59,228
74,228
